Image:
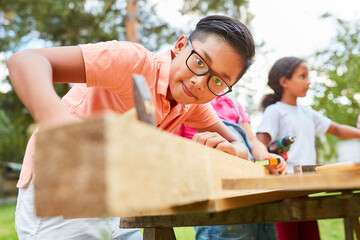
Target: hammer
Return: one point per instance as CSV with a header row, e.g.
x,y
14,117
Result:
x,y
143,101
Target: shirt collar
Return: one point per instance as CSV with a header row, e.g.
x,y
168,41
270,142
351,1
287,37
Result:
x,y
166,58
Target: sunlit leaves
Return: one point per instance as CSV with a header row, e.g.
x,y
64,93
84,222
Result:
x,y
337,94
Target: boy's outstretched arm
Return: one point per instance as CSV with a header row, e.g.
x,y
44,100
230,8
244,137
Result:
x,y
343,131
218,136
32,74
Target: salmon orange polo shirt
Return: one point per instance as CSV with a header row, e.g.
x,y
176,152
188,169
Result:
x,y
109,67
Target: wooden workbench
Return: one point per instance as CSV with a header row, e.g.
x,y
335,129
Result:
x,y
333,205
342,201
116,166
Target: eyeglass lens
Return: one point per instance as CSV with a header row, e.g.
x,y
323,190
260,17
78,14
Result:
x,y
199,67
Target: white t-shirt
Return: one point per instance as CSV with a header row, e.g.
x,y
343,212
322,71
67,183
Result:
x,y
304,123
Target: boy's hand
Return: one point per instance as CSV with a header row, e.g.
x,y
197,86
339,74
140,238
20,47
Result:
x,y
215,140
280,168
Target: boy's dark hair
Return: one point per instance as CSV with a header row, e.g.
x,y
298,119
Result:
x,y
231,31
284,67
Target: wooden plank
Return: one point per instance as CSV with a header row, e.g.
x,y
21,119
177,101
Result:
x,y
116,166
339,167
296,209
223,204
306,181
256,197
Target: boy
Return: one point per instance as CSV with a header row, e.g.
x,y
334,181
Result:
x,y
182,82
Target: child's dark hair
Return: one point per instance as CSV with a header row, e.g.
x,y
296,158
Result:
x,y
284,67
231,31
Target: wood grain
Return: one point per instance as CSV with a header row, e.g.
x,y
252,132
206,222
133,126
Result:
x,y
304,182
339,167
116,166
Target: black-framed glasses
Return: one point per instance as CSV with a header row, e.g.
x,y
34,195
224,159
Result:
x,y
200,67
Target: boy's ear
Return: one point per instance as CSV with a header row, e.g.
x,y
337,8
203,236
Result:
x,y
180,44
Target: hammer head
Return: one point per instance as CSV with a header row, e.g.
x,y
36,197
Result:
x,y
143,101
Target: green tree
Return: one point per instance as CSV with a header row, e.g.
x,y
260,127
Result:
x,y
337,96
234,8
14,122
71,22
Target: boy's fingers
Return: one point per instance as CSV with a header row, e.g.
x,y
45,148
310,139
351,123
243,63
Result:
x,y
199,138
208,138
226,147
214,140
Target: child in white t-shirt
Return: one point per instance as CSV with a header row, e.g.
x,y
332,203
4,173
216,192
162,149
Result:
x,y
289,78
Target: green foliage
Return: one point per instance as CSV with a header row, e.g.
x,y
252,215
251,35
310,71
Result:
x,y
72,22
61,22
5,126
234,8
155,32
14,122
337,96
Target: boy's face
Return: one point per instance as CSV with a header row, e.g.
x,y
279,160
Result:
x,y
187,88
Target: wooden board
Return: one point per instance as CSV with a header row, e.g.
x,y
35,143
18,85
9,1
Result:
x,y
244,199
304,182
339,167
116,166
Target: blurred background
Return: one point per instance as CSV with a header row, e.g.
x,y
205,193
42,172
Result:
x,y
324,32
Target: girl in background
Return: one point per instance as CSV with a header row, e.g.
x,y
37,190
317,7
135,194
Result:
x,y
289,78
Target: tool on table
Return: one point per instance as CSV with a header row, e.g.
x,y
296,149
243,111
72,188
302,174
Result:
x,y
299,169
328,168
143,101
281,146
268,162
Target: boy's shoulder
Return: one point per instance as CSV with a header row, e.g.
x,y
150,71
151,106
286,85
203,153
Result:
x,y
115,46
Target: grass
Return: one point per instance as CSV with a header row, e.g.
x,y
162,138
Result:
x,y
184,233
331,229
7,222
